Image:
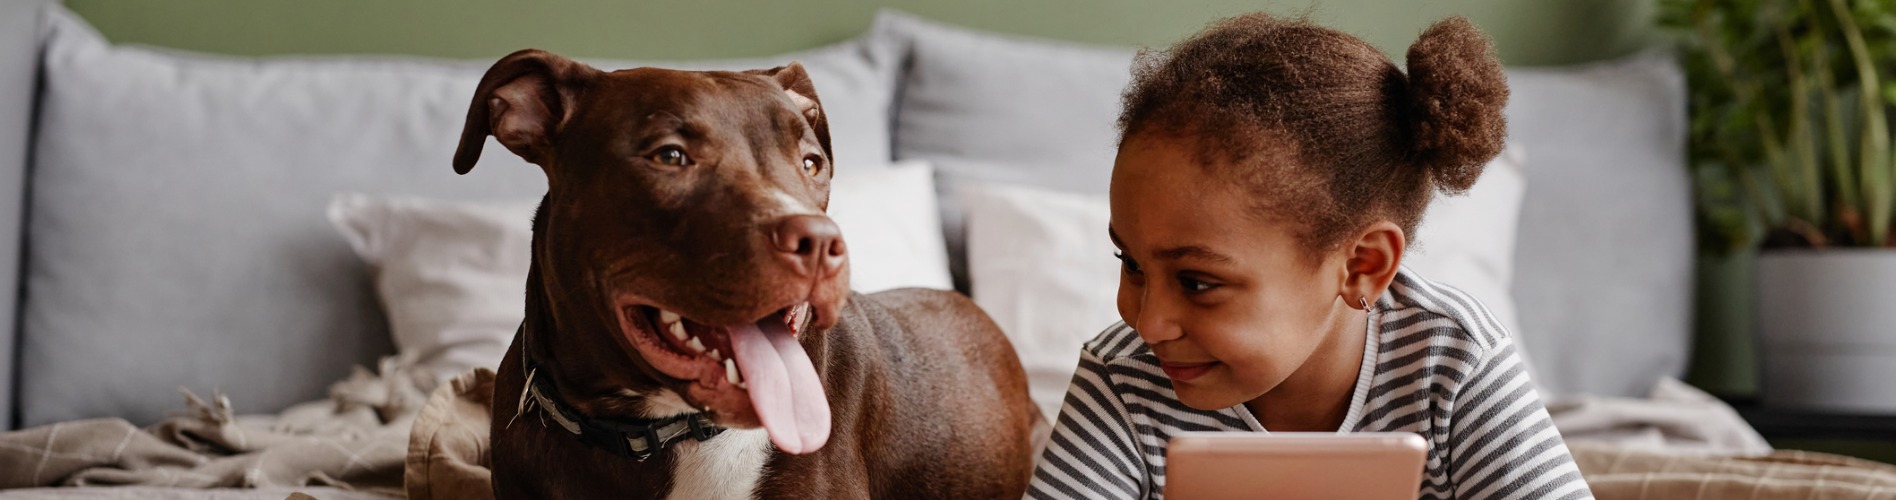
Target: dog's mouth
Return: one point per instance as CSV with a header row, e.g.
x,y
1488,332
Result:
x,y
749,375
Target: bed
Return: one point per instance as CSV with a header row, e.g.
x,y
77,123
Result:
x,y
259,231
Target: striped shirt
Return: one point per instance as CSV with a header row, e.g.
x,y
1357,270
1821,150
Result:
x,y
1436,363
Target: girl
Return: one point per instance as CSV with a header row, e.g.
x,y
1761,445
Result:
x,y
1270,176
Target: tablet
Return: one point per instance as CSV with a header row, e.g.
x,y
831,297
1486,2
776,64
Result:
x,y
1282,465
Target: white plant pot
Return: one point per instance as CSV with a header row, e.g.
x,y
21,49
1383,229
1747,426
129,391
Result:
x,y
1827,329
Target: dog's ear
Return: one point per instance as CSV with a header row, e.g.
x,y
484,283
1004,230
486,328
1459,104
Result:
x,y
797,85
522,101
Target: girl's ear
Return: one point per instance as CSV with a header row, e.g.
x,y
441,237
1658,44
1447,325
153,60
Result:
x,y
1372,262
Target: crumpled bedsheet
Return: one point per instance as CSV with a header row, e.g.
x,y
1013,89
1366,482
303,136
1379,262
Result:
x,y
379,435
354,440
1682,443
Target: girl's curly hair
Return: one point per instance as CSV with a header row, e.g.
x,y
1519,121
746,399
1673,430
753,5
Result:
x,y
1315,122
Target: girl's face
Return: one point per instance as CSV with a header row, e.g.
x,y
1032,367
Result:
x,y
1231,305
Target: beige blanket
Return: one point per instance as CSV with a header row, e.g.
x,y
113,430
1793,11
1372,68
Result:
x,y
353,440
448,447
1682,443
356,440
448,454
1674,418
1619,472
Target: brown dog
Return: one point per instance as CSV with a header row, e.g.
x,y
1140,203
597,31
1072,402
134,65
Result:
x,y
689,330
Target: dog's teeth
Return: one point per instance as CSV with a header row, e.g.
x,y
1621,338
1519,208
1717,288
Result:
x,y
669,317
678,330
715,355
696,345
732,374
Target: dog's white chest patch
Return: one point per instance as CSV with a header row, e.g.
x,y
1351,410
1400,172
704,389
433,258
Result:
x,y
664,404
725,467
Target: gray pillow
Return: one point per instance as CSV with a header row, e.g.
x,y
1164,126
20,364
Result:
x,y
994,108
177,231
1605,245
19,62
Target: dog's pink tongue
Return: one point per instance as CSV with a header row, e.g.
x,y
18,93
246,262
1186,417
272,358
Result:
x,y
783,385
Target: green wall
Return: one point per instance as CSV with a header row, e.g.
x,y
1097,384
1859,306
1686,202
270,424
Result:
x,y
1528,32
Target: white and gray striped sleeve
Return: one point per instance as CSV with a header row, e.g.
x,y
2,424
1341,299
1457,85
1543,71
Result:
x,y
1091,451
1503,442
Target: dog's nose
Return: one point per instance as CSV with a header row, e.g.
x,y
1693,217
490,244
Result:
x,y
813,242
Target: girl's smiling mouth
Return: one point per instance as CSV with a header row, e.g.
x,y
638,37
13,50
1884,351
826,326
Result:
x,y
1183,372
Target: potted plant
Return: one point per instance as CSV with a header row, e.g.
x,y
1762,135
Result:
x,y
1791,120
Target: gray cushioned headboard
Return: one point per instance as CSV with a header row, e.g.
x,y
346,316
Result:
x,y
177,228
19,69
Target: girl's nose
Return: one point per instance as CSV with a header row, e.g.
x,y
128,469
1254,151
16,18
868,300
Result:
x,y
1155,318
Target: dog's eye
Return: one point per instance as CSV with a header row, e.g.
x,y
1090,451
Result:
x,y
812,164
671,155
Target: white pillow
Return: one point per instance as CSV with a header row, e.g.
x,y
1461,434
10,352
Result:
x,y
1042,266
891,226
1470,241
451,275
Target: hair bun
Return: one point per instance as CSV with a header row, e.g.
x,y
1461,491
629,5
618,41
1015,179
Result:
x,y
1456,93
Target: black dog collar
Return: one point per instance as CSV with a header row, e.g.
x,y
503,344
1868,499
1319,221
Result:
x,y
638,439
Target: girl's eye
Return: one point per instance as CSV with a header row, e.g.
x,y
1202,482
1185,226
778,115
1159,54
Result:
x,y
672,156
1196,286
812,165
1128,265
